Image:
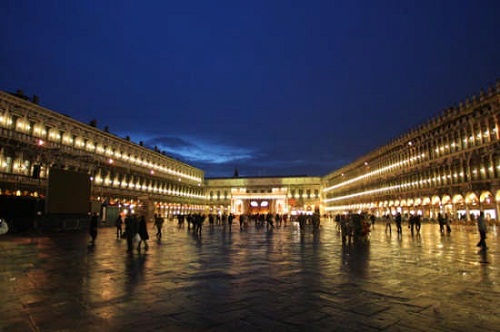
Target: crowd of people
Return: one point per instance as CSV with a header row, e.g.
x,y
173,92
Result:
x,y
353,227
414,222
195,221
357,226
136,231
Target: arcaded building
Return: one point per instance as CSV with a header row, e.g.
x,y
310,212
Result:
x,y
260,195
123,174
450,164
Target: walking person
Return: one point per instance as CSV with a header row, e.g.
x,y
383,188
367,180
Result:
x,y
441,223
418,223
372,220
142,230
482,228
230,220
159,226
130,230
337,222
388,222
399,220
242,221
411,223
269,220
118,224
94,224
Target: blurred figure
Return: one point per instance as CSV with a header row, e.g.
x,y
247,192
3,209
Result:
x,y
418,223
399,220
441,223
159,226
337,222
482,228
142,230
94,224
230,219
242,221
118,224
372,220
130,230
411,223
388,221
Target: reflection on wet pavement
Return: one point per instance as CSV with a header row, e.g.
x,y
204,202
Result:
x,y
280,279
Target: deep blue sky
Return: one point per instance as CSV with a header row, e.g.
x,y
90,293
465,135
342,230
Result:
x,y
270,87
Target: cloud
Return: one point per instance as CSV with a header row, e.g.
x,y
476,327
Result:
x,y
219,159
170,143
197,150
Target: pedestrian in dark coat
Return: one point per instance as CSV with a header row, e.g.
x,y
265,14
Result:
x,y
441,222
142,229
118,225
482,228
130,230
159,225
372,220
399,220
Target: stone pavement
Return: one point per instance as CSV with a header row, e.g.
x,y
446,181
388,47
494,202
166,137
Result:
x,y
256,280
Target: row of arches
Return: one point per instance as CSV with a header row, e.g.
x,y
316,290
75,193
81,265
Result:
x,y
117,180
457,206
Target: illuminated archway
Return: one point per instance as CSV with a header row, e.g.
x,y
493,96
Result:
x,y
238,206
488,205
447,207
458,199
472,203
471,199
446,200
486,197
458,202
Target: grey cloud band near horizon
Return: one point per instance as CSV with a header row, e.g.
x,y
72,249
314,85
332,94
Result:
x,y
219,159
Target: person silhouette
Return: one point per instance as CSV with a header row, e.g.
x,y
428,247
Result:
x,y
482,228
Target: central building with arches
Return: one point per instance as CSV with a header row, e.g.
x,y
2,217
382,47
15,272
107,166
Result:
x,y
261,195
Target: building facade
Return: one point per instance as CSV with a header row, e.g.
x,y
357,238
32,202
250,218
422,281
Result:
x,y
34,140
261,195
448,165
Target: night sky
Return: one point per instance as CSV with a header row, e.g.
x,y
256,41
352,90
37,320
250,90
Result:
x,y
268,87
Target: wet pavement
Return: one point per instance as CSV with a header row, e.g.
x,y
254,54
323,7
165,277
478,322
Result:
x,y
258,279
